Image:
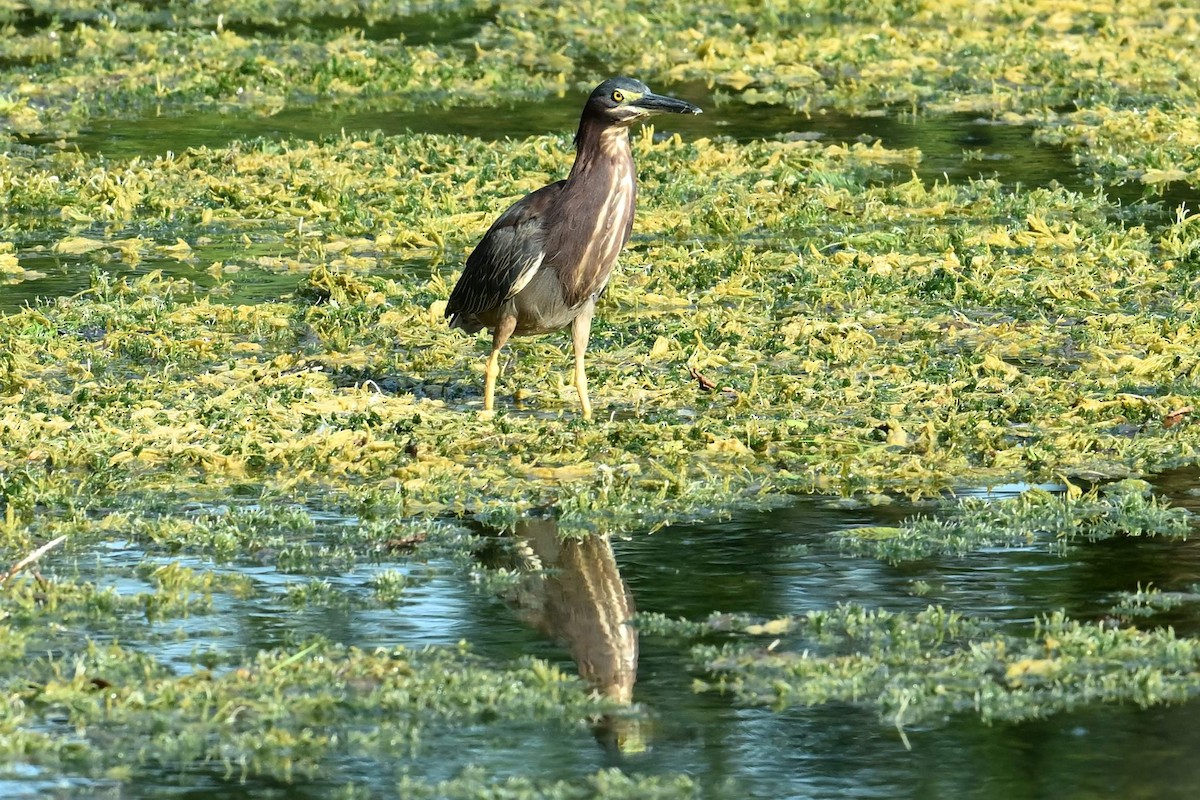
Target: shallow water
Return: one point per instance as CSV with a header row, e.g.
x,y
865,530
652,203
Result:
x,y
768,564
1004,152
954,147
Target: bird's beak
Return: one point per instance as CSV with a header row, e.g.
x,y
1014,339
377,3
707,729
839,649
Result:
x,y
658,104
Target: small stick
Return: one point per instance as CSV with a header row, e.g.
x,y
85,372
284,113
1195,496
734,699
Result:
x,y
32,557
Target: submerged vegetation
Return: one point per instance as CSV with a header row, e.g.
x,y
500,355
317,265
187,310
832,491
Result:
x,y
792,316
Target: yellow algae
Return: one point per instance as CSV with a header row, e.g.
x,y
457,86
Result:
x,y
775,279
774,627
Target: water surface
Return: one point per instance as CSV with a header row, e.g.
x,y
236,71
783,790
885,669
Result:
x,y
768,564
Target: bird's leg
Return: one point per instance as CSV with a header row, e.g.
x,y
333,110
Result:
x,y
581,329
500,334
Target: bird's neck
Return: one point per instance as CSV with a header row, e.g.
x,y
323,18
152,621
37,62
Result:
x,y
598,145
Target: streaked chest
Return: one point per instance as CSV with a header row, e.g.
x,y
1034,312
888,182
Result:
x,y
602,224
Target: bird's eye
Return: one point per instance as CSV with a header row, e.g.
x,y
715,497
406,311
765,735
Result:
x,y
618,96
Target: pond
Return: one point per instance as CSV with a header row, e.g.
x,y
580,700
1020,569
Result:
x,y
532,594
569,604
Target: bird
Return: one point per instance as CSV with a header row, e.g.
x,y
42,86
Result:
x,y
545,261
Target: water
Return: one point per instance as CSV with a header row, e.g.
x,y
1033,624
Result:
x,y
768,564
747,565
782,562
1004,152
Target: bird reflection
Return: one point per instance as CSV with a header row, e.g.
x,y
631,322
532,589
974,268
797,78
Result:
x,y
572,591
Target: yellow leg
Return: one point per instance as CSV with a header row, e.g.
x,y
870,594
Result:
x,y
500,335
581,330
489,381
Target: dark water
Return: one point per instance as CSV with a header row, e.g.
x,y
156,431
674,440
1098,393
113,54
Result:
x,y
747,565
769,564
1004,152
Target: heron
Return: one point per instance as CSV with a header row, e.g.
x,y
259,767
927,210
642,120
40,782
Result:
x,y
545,261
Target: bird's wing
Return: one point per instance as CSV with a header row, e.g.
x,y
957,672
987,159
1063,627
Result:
x,y
507,257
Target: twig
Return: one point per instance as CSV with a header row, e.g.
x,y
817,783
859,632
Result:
x,y
32,557
899,722
294,657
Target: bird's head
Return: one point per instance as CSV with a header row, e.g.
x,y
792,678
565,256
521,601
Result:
x,y
624,101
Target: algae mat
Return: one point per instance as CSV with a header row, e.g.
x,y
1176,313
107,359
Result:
x,y
853,336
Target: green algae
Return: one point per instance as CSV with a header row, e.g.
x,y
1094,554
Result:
x,y
1151,602
927,668
1110,81
930,335
918,668
1035,518
183,14
382,704
113,64
104,705
609,783
1156,147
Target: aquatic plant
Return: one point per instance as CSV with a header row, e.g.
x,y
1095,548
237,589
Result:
x,y
917,668
1034,518
791,316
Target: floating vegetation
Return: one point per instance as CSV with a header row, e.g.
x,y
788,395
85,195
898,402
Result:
x,y
281,715
918,668
1156,148
1149,602
929,336
610,784
1113,85
1034,518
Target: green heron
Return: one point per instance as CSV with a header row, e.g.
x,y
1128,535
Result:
x,y
546,260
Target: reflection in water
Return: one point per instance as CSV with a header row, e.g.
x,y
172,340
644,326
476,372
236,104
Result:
x,y
572,591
